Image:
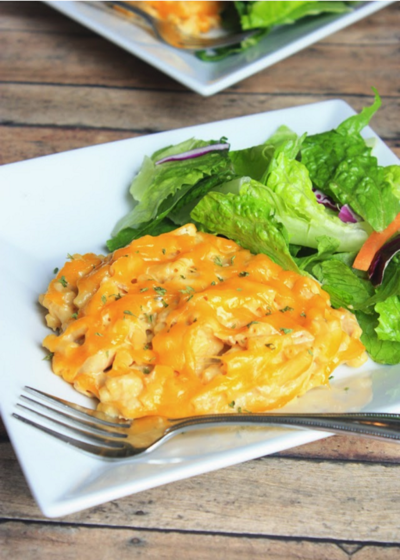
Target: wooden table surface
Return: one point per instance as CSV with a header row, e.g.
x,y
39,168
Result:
x,y
63,87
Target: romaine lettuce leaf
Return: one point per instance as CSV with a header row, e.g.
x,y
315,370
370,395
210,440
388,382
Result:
x,y
158,190
304,218
255,161
267,14
381,351
389,319
392,178
249,219
345,288
341,165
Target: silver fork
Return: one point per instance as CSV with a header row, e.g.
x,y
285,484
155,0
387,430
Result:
x,y
169,33
111,438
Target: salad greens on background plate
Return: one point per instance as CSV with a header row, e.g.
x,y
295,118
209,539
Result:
x,y
79,196
282,34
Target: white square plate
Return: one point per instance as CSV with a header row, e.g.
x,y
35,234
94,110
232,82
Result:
x,y
207,78
69,202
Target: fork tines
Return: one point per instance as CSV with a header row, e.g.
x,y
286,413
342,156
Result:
x,y
98,434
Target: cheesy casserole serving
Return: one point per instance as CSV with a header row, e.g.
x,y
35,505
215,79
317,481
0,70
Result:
x,y
192,18
190,323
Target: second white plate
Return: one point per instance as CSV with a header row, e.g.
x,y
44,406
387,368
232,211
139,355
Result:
x,y
208,78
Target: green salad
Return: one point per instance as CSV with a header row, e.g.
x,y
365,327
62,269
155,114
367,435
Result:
x,y
266,16
316,204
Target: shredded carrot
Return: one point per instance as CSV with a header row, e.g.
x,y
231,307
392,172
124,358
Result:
x,y
374,242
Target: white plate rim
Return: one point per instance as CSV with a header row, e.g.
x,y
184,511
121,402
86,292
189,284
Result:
x,y
184,67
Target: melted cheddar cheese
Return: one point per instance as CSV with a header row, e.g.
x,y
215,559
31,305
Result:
x,y
192,18
190,323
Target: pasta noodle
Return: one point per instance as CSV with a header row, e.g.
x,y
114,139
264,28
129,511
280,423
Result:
x,y
189,323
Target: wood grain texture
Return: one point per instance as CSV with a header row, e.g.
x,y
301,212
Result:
x,y
146,111
302,499
46,542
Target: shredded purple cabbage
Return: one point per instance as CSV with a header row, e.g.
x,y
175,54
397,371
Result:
x,y
325,200
196,152
347,215
381,259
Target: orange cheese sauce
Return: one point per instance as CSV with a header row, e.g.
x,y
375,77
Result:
x,y
190,323
193,17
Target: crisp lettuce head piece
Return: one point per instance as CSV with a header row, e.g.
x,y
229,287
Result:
x,y
268,14
161,189
248,218
304,218
341,165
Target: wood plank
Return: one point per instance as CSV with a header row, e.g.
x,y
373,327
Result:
x,y
21,540
145,111
81,59
307,499
20,143
65,57
35,16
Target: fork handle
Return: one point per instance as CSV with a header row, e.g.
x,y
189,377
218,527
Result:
x,y
381,426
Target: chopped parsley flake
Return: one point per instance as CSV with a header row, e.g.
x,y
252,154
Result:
x,y
70,257
63,281
330,377
159,290
233,259
163,251
56,270
270,345
74,315
286,331
244,273
232,404
183,277
213,283
98,334
188,290
165,304
252,323
238,289
218,261
287,308
48,357
310,352
144,289
146,370
104,299
239,409
146,347
220,278
127,312
302,314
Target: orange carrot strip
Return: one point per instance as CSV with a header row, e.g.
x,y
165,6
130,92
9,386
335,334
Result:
x,y
374,242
